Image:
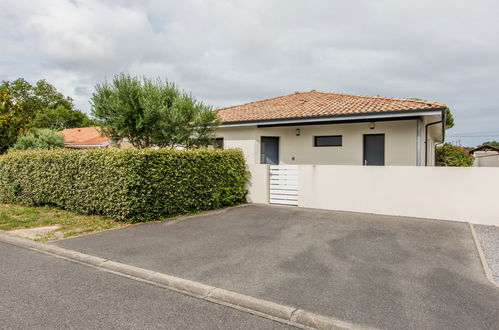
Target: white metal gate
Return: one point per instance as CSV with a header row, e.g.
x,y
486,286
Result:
x,y
284,184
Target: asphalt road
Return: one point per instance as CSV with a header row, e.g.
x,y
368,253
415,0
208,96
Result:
x,y
381,271
38,291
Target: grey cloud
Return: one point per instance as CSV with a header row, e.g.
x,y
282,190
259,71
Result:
x,y
228,52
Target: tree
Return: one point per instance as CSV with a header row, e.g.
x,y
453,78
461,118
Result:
x,y
450,155
11,123
449,119
152,113
43,106
59,118
494,144
39,138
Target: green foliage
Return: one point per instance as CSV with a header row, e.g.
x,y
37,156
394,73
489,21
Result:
x,y
450,155
39,138
125,184
11,123
43,106
152,113
67,223
449,118
494,144
60,117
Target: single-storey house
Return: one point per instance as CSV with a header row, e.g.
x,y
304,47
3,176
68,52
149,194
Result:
x,y
87,137
485,156
334,129
84,137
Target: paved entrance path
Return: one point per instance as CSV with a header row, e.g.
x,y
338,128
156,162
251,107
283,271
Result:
x,y
381,271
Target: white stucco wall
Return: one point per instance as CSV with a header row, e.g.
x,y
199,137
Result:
x,y
434,135
444,193
244,138
486,159
258,185
400,142
447,193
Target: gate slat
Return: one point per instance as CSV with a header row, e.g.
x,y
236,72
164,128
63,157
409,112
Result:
x,y
285,197
283,191
283,184
285,202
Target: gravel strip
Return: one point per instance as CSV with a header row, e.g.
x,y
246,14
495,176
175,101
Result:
x,y
489,239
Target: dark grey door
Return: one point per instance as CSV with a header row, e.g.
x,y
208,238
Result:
x,y
269,152
374,149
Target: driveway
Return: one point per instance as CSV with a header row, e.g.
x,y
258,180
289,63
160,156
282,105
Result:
x,y
380,271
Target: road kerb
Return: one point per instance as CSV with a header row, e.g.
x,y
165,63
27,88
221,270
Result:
x,y
196,288
253,303
320,321
74,255
268,309
126,269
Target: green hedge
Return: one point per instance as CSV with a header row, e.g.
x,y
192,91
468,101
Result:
x,y
125,184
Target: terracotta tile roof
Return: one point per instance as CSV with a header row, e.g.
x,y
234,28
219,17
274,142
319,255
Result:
x,y
88,136
316,104
485,147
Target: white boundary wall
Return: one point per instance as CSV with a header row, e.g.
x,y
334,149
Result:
x,y
447,193
486,159
258,187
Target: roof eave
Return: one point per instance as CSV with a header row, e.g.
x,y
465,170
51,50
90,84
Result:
x,y
80,146
342,117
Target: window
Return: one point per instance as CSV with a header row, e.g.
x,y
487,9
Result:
x,y
219,143
328,141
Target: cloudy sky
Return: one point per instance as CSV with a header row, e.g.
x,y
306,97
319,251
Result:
x,y
228,52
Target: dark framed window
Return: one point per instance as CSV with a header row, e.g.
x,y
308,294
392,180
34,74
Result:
x,y
328,141
219,143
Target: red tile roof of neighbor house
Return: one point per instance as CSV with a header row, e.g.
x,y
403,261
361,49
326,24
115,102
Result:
x,y
485,147
84,136
317,104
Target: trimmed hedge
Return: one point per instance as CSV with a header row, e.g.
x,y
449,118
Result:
x,y
125,184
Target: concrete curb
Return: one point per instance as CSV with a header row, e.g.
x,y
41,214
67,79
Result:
x,y
259,305
268,309
319,321
485,264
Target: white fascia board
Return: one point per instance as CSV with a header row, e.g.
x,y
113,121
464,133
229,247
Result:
x,y
342,118
81,146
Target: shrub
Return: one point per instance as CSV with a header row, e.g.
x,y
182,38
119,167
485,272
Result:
x,y
39,138
125,184
450,155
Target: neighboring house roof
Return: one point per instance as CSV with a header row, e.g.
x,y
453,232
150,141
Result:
x,y
485,147
84,137
316,104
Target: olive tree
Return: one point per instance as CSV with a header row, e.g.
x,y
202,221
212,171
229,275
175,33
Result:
x,y
152,113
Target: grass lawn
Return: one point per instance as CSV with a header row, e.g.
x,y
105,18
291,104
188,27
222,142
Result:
x,y
70,224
